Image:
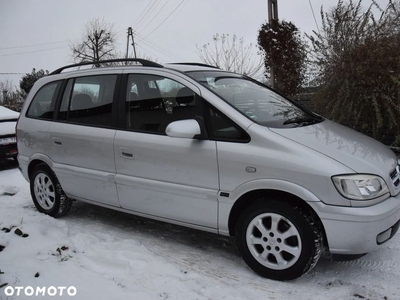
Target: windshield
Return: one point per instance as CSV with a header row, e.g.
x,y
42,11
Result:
x,y
255,100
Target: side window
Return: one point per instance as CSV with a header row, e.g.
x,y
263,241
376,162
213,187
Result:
x,y
152,102
221,128
43,103
88,100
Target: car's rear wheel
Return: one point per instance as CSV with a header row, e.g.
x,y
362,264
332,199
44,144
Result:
x,y
47,193
278,241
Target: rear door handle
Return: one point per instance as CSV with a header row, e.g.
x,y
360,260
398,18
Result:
x,y
57,141
126,153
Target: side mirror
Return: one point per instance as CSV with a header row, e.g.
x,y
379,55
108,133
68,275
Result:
x,y
186,129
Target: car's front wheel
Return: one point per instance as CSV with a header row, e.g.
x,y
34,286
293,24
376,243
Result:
x,y
277,240
47,194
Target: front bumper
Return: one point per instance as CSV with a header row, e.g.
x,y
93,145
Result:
x,y
359,230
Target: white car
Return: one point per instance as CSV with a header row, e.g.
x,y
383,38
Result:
x,y
8,142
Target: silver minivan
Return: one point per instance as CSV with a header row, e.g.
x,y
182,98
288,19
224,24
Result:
x,y
193,145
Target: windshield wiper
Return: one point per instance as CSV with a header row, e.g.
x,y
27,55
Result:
x,y
303,120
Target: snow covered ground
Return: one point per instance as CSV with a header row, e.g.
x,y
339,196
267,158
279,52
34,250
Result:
x,y
111,255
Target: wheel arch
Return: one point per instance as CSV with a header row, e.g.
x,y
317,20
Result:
x,y
33,164
250,197
37,159
52,192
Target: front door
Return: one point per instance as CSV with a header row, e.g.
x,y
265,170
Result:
x,y
158,175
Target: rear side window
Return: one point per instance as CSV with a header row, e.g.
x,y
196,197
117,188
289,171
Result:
x,y
88,100
43,103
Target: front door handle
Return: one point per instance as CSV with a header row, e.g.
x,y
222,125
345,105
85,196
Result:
x,y
126,153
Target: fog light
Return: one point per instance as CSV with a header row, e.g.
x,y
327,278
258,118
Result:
x,y
383,236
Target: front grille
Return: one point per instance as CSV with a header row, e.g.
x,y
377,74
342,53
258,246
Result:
x,y
395,176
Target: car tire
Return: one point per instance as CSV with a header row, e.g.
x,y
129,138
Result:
x,y
47,193
278,240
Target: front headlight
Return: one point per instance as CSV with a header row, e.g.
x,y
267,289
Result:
x,y
360,187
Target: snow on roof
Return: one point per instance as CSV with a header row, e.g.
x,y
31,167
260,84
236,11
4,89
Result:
x,y
6,113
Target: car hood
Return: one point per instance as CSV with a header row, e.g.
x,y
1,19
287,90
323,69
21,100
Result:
x,y
349,147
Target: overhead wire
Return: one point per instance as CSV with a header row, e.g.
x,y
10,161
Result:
x,y
166,18
41,50
315,19
157,47
176,14
153,17
151,11
140,15
152,53
144,14
164,53
32,45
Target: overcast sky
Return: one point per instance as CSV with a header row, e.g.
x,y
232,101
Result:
x,y
36,33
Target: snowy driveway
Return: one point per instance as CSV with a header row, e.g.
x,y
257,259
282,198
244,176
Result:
x,y
111,255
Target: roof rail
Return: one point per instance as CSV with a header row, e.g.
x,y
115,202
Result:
x,y
144,62
196,64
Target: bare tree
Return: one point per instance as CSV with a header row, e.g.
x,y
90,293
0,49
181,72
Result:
x,y
231,54
97,42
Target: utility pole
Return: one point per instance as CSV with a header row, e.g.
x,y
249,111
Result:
x,y
130,35
272,10
272,15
